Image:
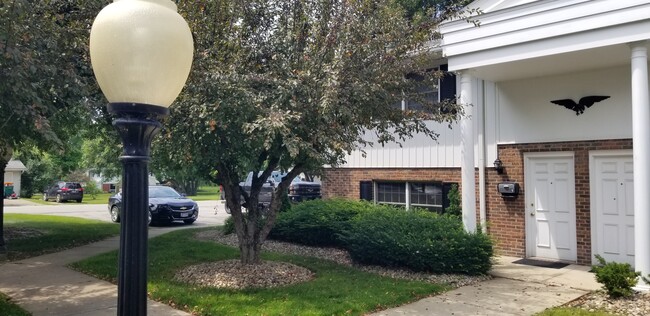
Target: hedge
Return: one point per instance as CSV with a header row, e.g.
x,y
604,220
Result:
x,y
383,235
418,241
318,222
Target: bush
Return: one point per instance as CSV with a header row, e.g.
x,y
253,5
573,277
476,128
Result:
x,y
419,241
91,188
454,198
617,278
318,222
229,226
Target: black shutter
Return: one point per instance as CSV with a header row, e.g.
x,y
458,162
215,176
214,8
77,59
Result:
x,y
447,84
366,191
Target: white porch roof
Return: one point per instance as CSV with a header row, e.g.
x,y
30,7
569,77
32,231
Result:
x,y
528,38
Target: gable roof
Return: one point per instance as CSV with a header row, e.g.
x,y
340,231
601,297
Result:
x,y
15,165
494,5
522,38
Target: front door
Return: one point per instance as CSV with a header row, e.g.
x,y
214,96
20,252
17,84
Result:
x,y
550,206
612,206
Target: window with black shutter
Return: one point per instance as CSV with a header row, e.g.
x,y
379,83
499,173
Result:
x,y
447,85
445,90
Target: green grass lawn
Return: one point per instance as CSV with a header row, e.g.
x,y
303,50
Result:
x,y
101,198
206,193
336,289
54,233
10,309
571,311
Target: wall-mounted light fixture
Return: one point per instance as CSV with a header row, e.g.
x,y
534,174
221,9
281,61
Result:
x,y
498,166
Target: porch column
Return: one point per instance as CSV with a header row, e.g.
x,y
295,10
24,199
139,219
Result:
x,y
468,182
641,152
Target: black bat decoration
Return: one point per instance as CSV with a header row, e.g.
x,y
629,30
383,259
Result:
x,y
583,104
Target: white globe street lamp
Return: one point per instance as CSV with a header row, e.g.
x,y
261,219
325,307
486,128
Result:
x,y
141,53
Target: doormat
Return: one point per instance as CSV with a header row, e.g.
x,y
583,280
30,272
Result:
x,y
542,263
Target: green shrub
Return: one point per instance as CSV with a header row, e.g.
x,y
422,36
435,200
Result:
x,y
317,222
91,189
229,225
454,207
617,278
417,240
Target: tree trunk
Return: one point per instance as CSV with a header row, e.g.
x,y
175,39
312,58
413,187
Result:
x,y
5,155
249,251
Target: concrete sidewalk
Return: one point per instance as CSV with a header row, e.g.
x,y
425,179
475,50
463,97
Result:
x,y
515,290
44,286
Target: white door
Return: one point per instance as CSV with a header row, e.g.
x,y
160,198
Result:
x,y
612,206
550,206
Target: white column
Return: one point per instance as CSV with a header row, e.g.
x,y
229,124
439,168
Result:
x,y
641,151
468,182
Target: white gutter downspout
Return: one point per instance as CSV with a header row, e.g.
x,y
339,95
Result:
x,y
480,112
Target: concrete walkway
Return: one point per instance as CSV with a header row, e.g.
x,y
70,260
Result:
x,y
515,290
44,286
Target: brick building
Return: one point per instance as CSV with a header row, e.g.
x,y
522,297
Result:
x,y
557,91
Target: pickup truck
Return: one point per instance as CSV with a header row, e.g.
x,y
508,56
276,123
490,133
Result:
x,y
299,190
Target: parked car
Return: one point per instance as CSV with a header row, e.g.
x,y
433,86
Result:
x,y
299,190
62,191
165,206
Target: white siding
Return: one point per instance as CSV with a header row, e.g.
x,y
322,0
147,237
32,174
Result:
x,y
419,151
525,113
424,152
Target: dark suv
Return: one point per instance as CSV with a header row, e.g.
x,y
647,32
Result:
x,y
64,191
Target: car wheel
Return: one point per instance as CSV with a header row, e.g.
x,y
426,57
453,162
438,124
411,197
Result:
x,y
44,196
149,218
115,214
79,200
58,198
189,221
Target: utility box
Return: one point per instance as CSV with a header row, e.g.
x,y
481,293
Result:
x,y
508,189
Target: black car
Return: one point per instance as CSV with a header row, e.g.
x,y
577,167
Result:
x,y
64,191
165,206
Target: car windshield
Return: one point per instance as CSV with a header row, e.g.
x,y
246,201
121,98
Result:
x,y
163,192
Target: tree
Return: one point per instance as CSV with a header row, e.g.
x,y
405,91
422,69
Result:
x,y
295,85
46,85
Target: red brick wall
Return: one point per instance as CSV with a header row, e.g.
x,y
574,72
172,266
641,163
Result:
x,y
344,182
506,217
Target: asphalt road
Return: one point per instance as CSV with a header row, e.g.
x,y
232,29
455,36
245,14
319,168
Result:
x,y
207,216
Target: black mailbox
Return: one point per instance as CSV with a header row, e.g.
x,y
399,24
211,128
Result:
x,y
508,189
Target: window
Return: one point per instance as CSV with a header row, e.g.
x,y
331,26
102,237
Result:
x,y
426,195
429,195
391,193
444,90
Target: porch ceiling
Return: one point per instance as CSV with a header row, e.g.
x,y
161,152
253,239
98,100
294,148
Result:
x,y
595,58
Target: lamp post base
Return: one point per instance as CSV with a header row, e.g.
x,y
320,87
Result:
x,y
137,124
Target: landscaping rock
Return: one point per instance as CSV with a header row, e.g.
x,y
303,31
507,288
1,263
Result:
x,y
342,257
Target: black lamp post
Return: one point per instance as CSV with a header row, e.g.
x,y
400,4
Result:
x,y
141,52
